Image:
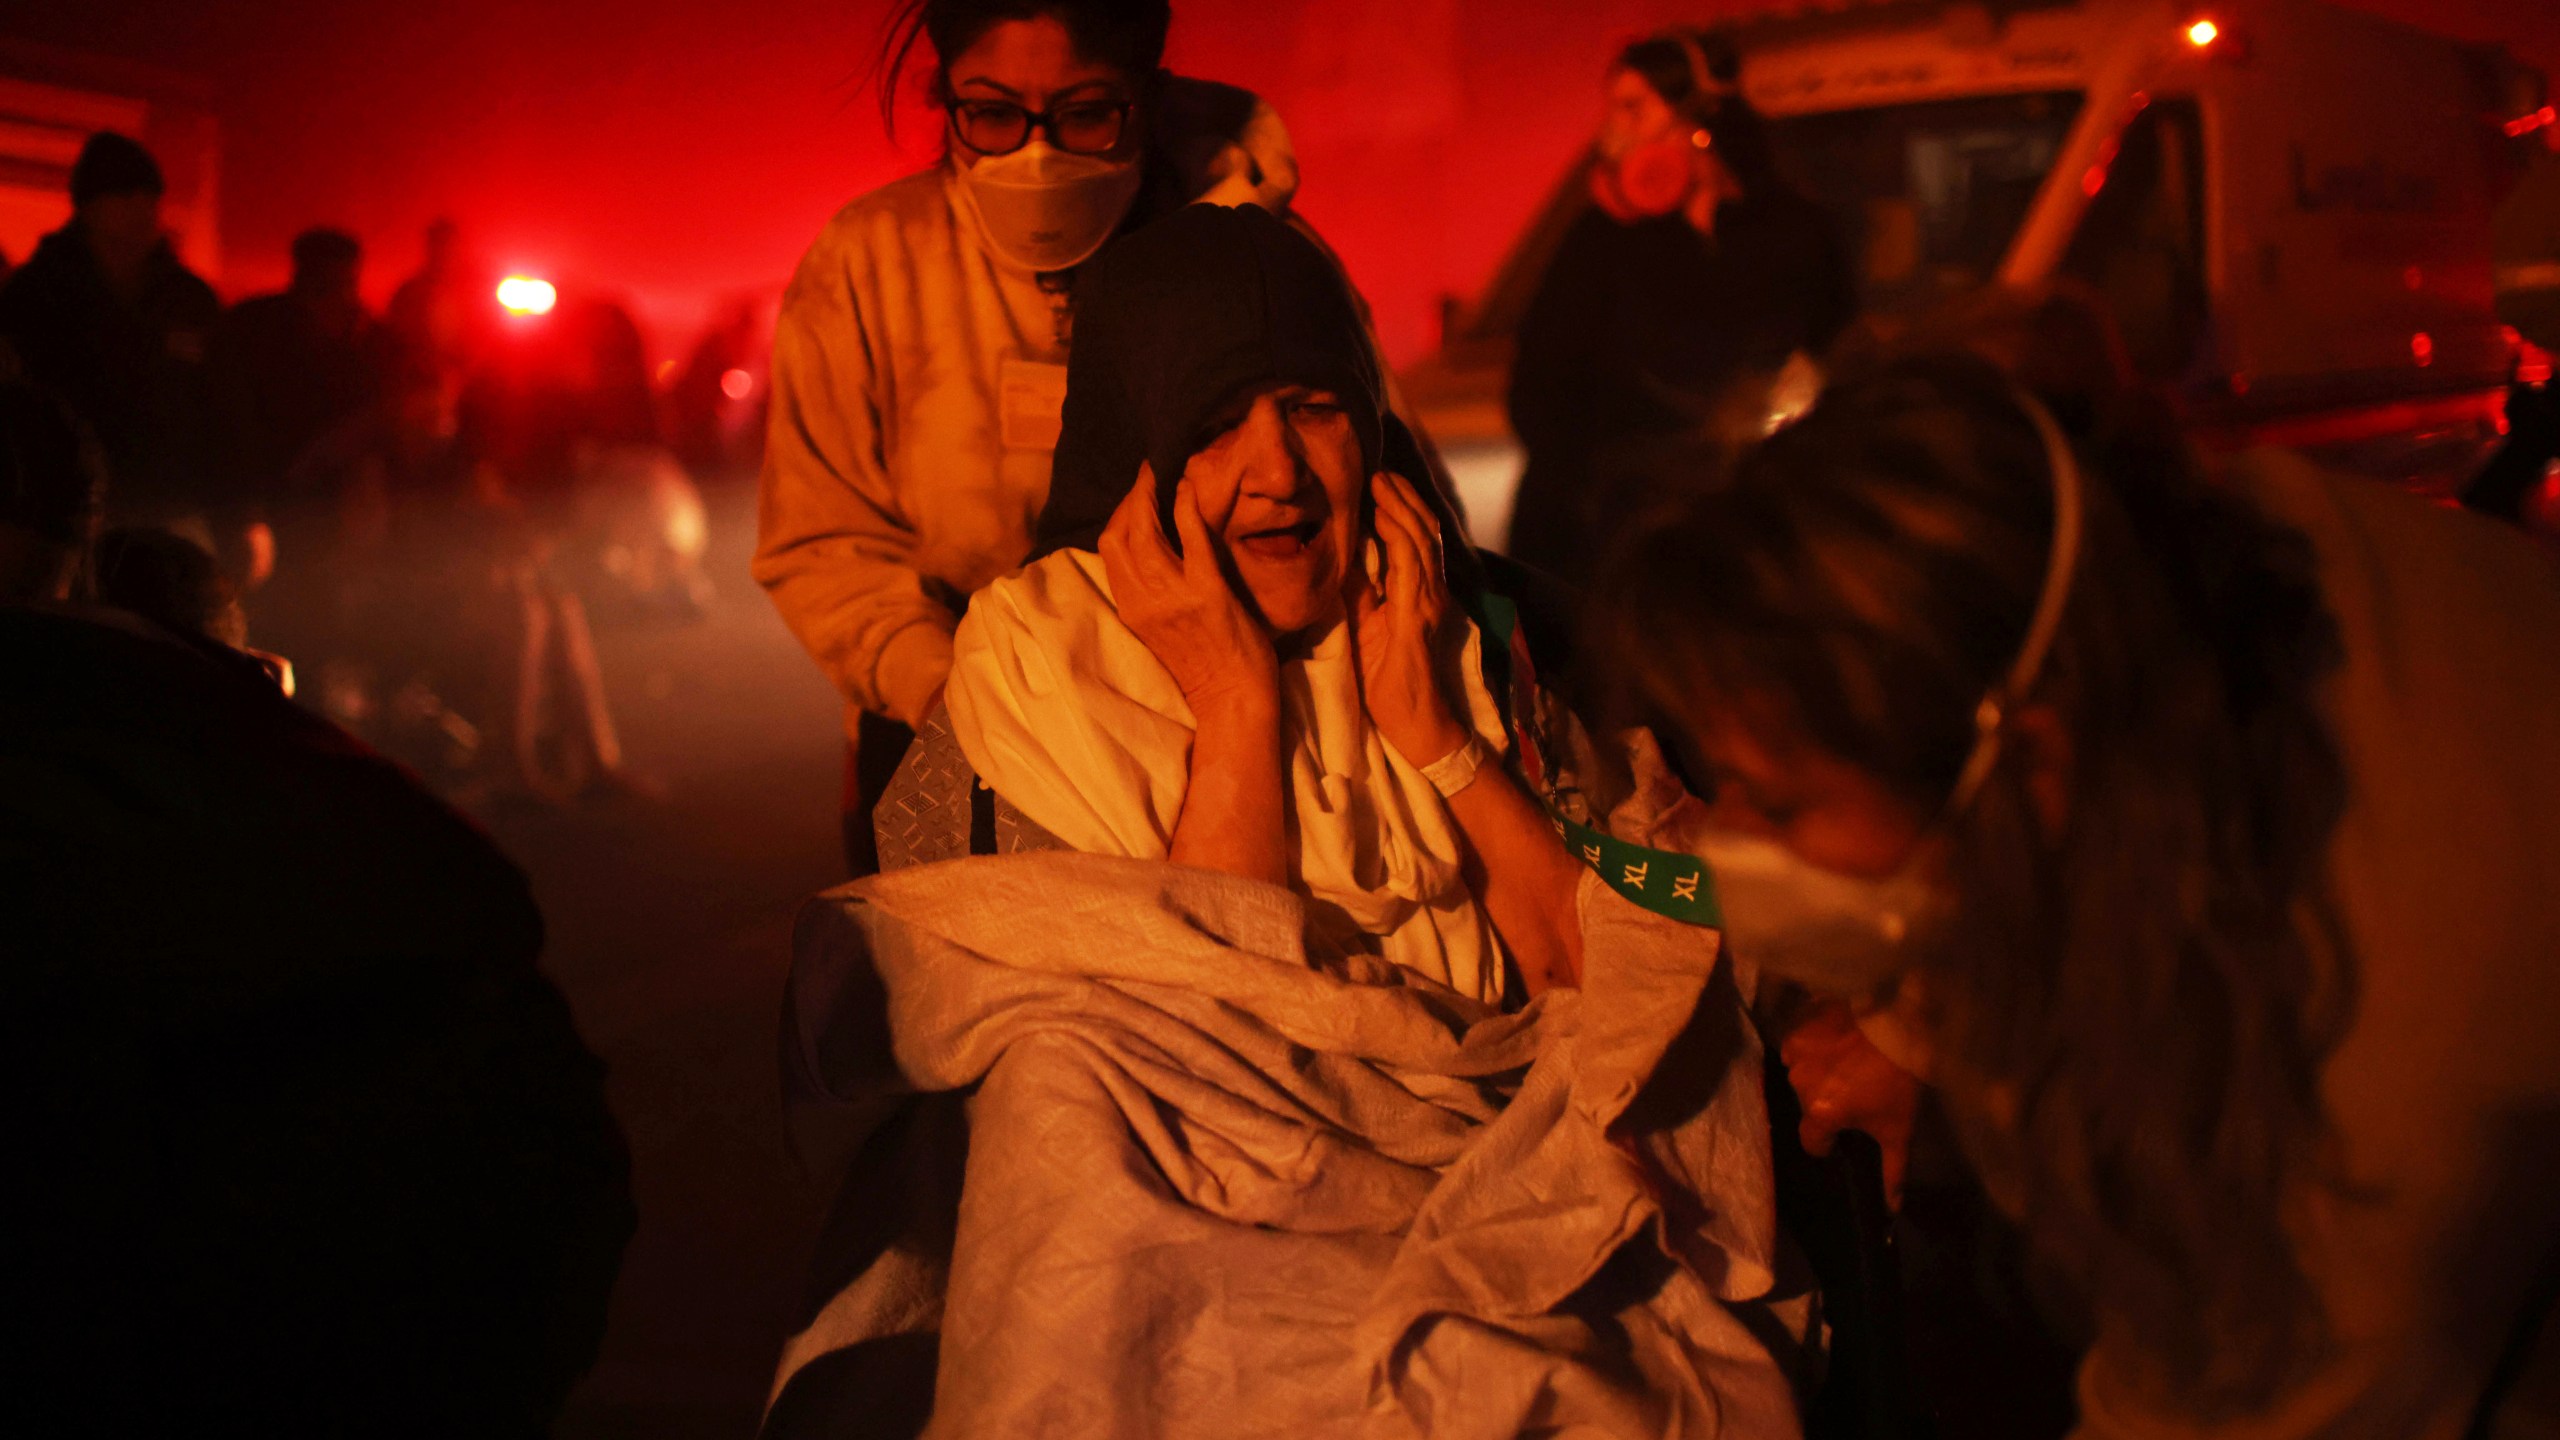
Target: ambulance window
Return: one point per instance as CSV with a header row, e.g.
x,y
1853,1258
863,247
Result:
x,y
1927,197
2141,243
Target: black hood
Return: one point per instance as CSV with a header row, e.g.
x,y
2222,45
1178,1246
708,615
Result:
x,y
1174,322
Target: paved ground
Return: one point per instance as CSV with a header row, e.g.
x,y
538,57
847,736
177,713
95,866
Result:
x,y
670,925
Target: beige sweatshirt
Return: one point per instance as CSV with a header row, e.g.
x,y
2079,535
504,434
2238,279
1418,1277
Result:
x,y
916,389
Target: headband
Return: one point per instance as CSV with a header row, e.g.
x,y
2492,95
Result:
x,y
1992,715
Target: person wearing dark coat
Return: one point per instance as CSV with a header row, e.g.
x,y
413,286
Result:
x,y
289,368
300,1140
105,315
1696,273
293,365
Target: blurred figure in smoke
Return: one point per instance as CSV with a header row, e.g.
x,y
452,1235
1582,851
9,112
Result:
x,y
288,368
106,316
174,583
2517,476
442,314
699,402
300,1140
296,363
53,487
1671,307
555,396
417,552
170,581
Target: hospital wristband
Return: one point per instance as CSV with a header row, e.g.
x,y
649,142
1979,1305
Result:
x,y
1456,770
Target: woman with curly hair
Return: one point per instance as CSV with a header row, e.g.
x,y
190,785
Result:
x,y
2194,836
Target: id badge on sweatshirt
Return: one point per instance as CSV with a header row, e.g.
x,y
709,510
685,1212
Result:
x,y
1030,399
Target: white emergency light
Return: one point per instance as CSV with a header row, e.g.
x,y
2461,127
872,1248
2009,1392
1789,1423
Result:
x,y
525,295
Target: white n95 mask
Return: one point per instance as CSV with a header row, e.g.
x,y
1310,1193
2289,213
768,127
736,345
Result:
x,y
1833,934
1043,209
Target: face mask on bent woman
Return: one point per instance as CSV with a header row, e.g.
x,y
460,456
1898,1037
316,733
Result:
x,y
1044,209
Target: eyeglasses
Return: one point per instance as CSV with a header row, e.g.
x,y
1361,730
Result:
x,y
1079,127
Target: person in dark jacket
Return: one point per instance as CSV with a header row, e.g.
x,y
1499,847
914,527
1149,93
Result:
x,y
300,1140
105,315
289,368
294,364
1695,276
53,486
443,316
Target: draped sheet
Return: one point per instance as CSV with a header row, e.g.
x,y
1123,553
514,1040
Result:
x,y
1213,1187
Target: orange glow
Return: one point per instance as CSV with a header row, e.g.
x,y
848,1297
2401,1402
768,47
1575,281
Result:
x,y
2203,33
2422,348
736,384
524,295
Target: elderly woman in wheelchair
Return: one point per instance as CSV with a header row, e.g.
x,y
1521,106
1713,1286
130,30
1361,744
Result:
x,y
1326,1044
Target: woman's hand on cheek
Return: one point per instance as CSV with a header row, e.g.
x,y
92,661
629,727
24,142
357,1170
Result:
x,y
1399,618
1183,607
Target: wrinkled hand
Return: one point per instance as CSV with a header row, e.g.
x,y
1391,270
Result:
x,y
1183,607
1845,1083
1400,618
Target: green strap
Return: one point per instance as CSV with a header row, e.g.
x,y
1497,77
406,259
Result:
x,y
1666,882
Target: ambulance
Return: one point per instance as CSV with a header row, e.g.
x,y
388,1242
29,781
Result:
x,y
2287,207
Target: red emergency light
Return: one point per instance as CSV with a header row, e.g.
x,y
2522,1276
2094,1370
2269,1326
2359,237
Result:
x,y
2214,41
2524,125
525,295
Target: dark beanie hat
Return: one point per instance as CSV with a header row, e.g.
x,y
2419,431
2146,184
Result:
x,y
113,164
1172,324
52,481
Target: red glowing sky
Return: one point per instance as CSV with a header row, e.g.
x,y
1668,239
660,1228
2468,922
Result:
x,y
678,152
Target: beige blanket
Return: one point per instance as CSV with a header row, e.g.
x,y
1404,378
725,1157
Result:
x,y
1213,1188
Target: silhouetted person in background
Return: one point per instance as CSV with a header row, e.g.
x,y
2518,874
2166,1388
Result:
x,y
1671,305
300,1141
551,393
291,366
106,316
176,584
2509,484
698,403
288,368
170,581
53,486
416,554
443,313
